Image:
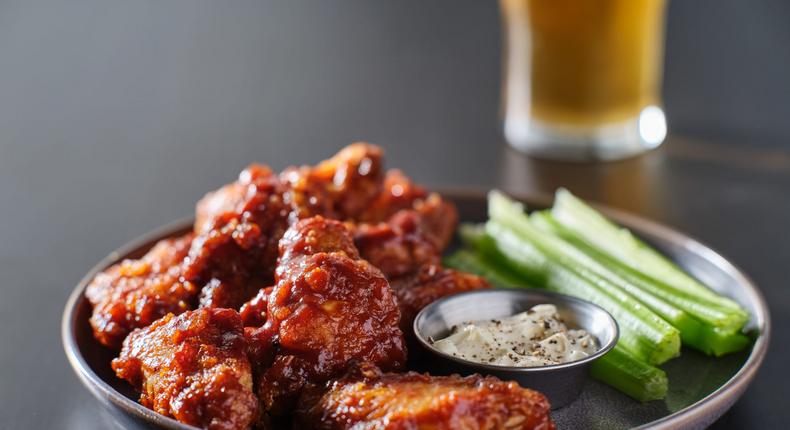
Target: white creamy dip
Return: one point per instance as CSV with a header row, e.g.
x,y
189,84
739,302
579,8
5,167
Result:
x,y
537,337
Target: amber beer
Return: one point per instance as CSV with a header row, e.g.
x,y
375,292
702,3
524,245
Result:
x,y
580,76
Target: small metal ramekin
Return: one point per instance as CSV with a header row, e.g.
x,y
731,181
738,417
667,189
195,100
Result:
x,y
561,383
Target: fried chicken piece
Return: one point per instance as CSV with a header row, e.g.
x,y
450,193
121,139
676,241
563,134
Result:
x,y
330,307
338,188
192,367
429,284
312,236
238,228
307,195
438,218
398,247
397,192
353,177
409,239
370,399
135,293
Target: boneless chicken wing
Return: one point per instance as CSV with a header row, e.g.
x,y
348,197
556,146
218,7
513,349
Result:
x,y
192,367
135,293
353,177
330,308
340,187
408,239
398,192
237,230
370,399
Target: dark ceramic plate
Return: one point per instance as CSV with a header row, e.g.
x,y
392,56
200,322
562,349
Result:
x,y
701,388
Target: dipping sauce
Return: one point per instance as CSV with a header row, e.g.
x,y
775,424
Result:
x,y
537,337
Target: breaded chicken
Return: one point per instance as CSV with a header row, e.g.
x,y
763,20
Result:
x,y
330,308
353,178
408,239
238,226
369,399
192,367
429,284
340,187
135,293
237,230
398,192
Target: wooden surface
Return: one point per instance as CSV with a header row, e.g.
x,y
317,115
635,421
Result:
x,y
115,117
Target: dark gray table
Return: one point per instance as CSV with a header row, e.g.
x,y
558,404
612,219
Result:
x,y
116,116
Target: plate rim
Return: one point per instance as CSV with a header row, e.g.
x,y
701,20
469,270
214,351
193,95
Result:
x,y
96,385
702,412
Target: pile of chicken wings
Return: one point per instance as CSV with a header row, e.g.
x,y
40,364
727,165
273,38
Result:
x,y
291,304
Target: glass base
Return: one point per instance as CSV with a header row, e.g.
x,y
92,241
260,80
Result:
x,y
596,143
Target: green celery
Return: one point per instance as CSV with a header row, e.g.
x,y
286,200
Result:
x,y
703,326
667,311
643,333
633,377
598,232
714,341
469,261
511,227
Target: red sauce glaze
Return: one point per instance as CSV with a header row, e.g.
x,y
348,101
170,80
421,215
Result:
x,y
438,218
261,346
330,308
314,236
370,399
238,228
135,293
193,367
253,313
429,284
339,188
410,238
306,195
353,178
398,192
398,227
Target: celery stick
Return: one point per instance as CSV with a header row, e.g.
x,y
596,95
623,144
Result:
x,y
633,377
621,245
468,261
475,237
642,332
703,325
508,220
704,310
694,333
673,315
713,341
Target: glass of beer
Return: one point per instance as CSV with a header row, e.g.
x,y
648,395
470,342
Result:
x,y
582,78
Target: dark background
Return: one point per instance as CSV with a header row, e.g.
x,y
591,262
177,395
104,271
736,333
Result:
x,y
116,116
